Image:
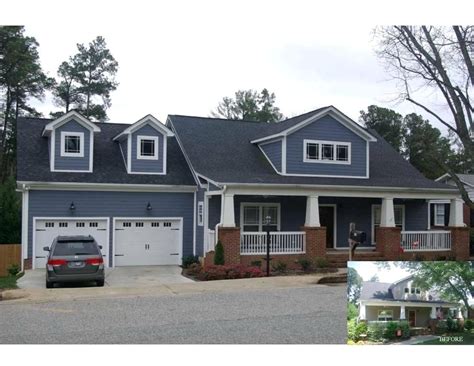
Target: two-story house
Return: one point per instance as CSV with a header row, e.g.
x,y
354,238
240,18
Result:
x,y
151,193
403,300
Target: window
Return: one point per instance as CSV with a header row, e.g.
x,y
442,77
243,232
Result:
x,y
49,224
439,214
399,211
93,224
167,224
407,290
385,315
63,224
139,224
316,151
200,214
127,224
80,224
147,147
417,291
253,216
155,224
72,144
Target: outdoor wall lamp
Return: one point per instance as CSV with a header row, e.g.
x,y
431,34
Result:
x,y
148,207
72,207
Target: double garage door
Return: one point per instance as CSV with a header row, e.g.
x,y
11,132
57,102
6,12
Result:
x,y
137,242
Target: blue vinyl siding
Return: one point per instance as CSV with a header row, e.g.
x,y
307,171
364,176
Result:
x,y
124,146
273,151
147,166
113,204
71,163
327,129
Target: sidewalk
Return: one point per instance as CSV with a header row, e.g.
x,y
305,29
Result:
x,y
71,294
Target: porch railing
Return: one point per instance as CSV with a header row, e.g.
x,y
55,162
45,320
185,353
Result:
x,y
426,241
282,242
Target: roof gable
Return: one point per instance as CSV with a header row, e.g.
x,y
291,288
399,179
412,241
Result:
x,y
147,120
72,115
332,111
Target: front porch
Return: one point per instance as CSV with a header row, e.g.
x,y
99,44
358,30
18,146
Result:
x,y
317,225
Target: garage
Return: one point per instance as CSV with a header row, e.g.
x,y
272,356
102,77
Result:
x,y
46,229
147,242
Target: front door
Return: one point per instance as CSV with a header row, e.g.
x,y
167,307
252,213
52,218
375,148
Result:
x,y
412,318
326,218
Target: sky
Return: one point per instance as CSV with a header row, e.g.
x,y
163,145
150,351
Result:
x,y
368,269
183,57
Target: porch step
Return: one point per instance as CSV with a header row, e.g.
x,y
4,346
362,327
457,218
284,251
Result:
x,y
339,259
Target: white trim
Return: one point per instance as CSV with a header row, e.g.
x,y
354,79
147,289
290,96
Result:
x,y
269,160
129,153
165,151
407,303
52,150
91,152
435,216
283,156
155,139
260,218
194,222
116,218
324,175
334,205
67,218
51,126
151,121
334,144
24,225
123,156
335,113
205,239
372,220
200,220
63,151
367,160
70,186
209,180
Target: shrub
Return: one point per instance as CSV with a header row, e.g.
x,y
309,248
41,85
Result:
x,y
375,331
279,267
305,264
219,254
452,325
190,259
352,311
256,264
193,269
390,331
355,330
225,272
405,327
321,262
441,327
14,269
469,324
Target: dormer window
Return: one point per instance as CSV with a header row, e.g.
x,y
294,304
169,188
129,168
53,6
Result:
x,y
72,144
316,151
147,147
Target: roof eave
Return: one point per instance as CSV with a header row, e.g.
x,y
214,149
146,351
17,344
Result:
x,y
65,118
156,123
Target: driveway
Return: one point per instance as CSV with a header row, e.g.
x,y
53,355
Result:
x,y
123,277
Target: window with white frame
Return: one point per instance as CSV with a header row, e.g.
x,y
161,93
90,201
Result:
x,y
385,315
439,214
253,216
147,147
200,215
316,151
399,211
72,144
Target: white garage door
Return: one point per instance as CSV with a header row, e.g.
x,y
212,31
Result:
x,y
147,242
47,229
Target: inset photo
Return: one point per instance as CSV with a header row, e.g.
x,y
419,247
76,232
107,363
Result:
x,y
410,303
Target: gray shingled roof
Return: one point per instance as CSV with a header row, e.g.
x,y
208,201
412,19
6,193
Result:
x,y
382,291
109,167
220,149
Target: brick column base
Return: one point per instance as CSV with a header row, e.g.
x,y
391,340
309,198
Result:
x,y
388,242
27,263
230,239
460,243
315,241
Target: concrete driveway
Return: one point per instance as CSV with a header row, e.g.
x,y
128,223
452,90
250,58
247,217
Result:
x,y
123,277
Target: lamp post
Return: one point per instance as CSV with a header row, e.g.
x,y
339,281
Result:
x,y
267,221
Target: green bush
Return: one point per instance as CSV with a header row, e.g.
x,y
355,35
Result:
x,y
190,259
14,269
193,269
305,264
321,262
375,331
356,330
441,327
219,254
256,264
452,325
352,311
390,331
279,267
405,327
469,324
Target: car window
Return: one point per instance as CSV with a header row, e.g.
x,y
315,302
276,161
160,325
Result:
x,y
76,248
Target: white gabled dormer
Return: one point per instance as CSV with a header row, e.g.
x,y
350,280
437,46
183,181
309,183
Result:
x,y
143,146
71,143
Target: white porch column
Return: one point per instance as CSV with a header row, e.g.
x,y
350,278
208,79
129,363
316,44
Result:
x,y
387,213
228,217
455,213
312,211
362,315
402,312
460,313
433,312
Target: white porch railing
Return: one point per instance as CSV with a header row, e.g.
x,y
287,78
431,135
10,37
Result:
x,y
425,241
283,242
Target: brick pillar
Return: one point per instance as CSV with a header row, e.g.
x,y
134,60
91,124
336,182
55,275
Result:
x,y
388,242
230,239
460,243
27,263
315,241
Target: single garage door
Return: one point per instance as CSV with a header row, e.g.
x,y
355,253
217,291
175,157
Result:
x,y
147,242
48,229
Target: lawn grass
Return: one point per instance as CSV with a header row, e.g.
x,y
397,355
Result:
x,y
453,339
8,282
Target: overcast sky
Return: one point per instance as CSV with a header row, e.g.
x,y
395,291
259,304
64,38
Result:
x,y
368,269
183,57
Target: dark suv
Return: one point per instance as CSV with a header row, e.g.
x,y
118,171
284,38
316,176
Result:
x,y
74,259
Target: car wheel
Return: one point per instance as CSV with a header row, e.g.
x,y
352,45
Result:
x,y
49,284
100,283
